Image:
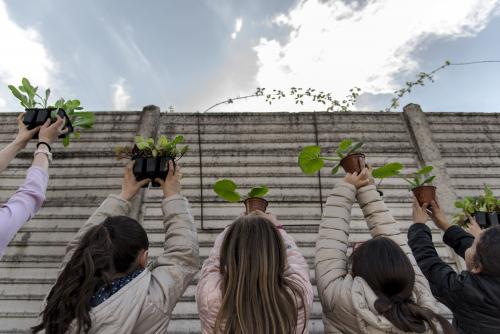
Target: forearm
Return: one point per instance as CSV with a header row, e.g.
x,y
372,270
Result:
x,y
8,153
41,160
458,239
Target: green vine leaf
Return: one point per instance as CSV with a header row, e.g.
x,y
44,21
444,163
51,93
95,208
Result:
x,y
226,189
310,161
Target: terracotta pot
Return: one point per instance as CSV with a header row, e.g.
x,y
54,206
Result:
x,y
255,203
424,194
353,163
38,116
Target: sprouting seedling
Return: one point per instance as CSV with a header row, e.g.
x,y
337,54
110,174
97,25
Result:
x,y
419,178
147,147
29,98
390,169
311,160
226,189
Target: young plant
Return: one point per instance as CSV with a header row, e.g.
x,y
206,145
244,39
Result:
x,y
311,160
419,178
226,189
486,203
146,147
390,169
29,98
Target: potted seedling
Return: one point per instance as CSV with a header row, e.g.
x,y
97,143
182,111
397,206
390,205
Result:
x,y
253,201
151,159
420,183
484,208
390,169
311,160
38,110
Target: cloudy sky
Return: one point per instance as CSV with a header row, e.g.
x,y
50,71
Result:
x,y
190,54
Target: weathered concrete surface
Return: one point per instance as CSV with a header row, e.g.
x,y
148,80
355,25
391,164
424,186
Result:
x,y
252,148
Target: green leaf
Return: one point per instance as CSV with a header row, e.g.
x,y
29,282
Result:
x,y
344,145
428,180
388,170
310,161
259,191
21,97
335,169
178,140
66,141
425,170
47,94
162,142
226,189
354,148
83,119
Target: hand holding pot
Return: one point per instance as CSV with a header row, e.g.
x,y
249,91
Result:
x,y
24,135
358,180
269,216
49,133
172,184
420,215
473,227
130,185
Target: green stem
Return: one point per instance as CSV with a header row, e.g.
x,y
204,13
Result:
x,y
330,159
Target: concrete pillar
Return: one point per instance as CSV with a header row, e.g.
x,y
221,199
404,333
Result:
x,y
429,154
148,127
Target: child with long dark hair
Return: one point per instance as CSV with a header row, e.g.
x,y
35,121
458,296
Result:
x,y
474,294
106,285
385,291
254,281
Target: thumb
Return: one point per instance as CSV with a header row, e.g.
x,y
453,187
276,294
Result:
x,y
160,181
143,182
35,130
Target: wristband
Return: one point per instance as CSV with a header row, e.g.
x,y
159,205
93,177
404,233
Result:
x,y
44,143
280,227
44,151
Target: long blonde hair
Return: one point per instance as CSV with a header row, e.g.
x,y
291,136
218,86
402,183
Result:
x,y
256,297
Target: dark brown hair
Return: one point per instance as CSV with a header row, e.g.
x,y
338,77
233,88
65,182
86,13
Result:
x,y
106,249
488,251
389,273
256,297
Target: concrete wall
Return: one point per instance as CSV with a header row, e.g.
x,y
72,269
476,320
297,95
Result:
x,y
251,148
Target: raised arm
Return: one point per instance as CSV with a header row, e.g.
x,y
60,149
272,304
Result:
x,y
114,205
332,243
175,268
28,199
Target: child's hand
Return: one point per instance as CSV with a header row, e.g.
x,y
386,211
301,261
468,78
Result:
x,y
172,184
130,186
49,132
420,215
24,135
438,216
473,227
358,180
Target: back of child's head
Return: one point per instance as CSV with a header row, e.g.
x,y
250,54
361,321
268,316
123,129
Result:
x,y
488,251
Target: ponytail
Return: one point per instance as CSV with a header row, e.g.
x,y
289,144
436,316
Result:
x,y
410,317
69,298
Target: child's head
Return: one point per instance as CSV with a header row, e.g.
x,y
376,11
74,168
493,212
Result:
x,y
389,273
482,256
256,296
111,249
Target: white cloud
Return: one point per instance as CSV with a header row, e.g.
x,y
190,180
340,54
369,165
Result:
x,y
2,103
121,98
237,27
23,55
334,46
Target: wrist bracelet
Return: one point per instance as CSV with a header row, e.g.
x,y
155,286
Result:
x,y
280,227
44,143
46,152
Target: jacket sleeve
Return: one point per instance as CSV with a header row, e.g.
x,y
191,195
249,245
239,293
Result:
x,y
208,290
382,224
112,206
442,278
297,270
173,270
332,244
458,239
23,205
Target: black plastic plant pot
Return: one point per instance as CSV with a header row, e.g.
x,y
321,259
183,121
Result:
x,y
38,116
151,168
482,219
493,218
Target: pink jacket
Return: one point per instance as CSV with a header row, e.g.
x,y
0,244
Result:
x,y
209,294
23,205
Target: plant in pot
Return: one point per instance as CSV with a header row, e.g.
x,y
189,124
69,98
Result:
x,y
484,208
253,200
38,111
420,183
151,159
311,161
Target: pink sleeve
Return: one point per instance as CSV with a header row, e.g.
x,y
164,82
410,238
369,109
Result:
x,y
23,205
298,270
208,291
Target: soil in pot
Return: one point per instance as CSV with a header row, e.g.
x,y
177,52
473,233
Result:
x,y
37,116
255,203
424,194
353,163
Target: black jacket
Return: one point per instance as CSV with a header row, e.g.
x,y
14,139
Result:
x,y
474,299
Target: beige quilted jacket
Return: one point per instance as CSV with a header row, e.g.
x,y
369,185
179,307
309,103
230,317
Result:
x,y
348,302
145,304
